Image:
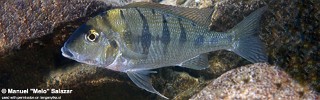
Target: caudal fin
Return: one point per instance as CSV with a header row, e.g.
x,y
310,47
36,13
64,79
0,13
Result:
x,y
248,45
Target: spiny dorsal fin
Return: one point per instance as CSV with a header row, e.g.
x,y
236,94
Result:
x,y
199,16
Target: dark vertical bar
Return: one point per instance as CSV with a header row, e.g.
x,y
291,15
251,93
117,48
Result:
x,y
145,39
183,34
153,12
121,15
165,38
199,40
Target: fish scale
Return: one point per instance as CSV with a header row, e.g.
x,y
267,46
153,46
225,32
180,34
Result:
x,y
140,37
166,51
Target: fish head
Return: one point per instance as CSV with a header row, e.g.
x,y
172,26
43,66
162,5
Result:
x,y
90,45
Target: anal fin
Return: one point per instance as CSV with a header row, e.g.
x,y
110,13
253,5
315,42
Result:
x,y
141,79
198,63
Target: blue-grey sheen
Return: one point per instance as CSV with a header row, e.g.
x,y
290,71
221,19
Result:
x,y
183,34
165,38
199,40
145,38
213,40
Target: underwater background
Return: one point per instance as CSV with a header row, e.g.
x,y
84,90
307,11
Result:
x,y
33,31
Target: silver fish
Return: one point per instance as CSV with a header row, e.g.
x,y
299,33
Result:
x,y
142,36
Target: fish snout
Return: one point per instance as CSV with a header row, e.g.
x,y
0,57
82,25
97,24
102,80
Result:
x,y
66,52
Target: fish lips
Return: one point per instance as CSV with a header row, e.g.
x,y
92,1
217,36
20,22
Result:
x,y
75,56
66,53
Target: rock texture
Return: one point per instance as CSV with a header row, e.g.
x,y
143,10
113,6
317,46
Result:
x,y
24,20
289,29
255,81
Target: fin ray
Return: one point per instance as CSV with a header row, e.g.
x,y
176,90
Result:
x,y
133,55
199,16
141,79
198,63
249,45
128,53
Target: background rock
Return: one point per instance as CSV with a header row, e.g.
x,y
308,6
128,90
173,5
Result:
x,y
25,20
255,81
289,29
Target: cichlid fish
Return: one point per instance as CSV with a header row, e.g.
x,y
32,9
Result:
x,y
140,37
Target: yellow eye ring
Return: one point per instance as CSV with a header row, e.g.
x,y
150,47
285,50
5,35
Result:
x,y
92,36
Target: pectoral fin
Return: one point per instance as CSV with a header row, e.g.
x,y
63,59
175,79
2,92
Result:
x,y
198,63
141,79
133,55
128,53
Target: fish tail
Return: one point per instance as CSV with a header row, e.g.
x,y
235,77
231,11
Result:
x,y
247,43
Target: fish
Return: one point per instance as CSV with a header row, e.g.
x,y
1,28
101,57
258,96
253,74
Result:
x,y
140,37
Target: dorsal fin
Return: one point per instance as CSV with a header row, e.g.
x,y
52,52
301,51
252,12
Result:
x,y
199,16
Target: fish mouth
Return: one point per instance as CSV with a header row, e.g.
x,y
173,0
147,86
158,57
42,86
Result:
x,y
66,53
69,54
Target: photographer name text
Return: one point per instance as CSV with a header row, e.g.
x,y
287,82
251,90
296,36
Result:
x,y
38,91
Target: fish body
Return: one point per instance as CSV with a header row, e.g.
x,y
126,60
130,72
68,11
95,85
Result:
x,y
162,39
139,37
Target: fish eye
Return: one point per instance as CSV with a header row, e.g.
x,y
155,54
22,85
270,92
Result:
x,y
92,35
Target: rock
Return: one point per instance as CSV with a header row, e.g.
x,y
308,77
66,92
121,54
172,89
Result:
x,y
288,29
292,39
188,3
255,81
25,20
